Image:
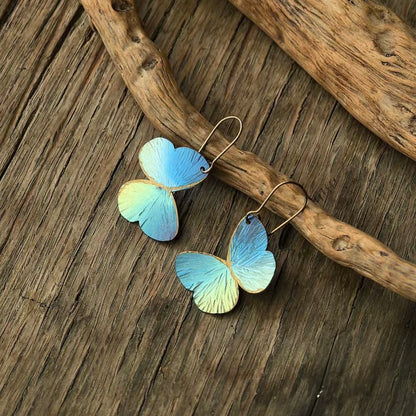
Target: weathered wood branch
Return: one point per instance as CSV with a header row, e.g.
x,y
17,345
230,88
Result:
x,y
149,78
361,52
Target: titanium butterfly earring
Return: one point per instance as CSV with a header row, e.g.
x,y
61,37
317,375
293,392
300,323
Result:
x,y
168,169
249,265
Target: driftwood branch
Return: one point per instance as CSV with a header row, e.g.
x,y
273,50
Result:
x,y
149,78
361,52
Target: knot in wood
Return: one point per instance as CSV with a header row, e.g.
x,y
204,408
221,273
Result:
x,y
342,243
385,43
135,38
122,6
149,63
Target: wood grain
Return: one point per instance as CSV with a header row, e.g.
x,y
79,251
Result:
x,y
359,51
148,76
92,318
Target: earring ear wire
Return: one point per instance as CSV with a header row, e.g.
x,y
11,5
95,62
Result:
x,y
257,211
227,147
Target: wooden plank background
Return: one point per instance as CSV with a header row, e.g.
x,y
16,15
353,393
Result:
x,y
92,318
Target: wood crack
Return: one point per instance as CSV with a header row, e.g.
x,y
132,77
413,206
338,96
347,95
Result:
x,y
155,373
321,386
8,11
71,386
180,31
36,84
272,106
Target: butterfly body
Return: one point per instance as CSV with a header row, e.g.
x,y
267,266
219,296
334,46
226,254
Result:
x,y
215,281
150,202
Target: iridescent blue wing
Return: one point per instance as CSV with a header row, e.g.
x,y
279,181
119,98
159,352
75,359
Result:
x,y
215,290
251,265
175,169
152,206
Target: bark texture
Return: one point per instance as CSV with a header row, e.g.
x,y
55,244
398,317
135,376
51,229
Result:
x,y
359,51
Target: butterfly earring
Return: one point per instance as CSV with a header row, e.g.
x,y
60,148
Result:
x,y
214,281
168,169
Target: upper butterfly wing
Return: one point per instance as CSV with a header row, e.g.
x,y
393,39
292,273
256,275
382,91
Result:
x,y
251,264
215,290
175,169
152,206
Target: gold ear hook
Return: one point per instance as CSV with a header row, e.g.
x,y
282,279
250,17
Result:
x,y
256,212
228,146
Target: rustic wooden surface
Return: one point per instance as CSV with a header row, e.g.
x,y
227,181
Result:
x,y
93,320
149,78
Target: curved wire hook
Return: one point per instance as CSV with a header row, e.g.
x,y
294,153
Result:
x,y
228,146
256,212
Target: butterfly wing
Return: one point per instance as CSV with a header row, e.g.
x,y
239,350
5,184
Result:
x,y
252,266
215,290
175,169
152,206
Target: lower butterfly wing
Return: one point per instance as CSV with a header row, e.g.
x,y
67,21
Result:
x,y
215,290
251,264
152,206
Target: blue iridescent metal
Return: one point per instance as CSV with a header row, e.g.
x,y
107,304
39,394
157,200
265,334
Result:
x,y
152,206
150,202
209,277
175,169
252,266
215,281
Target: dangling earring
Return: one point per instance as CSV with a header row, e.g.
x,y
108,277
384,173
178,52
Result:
x,y
249,265
150,202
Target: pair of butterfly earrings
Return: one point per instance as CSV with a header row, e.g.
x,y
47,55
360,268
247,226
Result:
x,y
214,282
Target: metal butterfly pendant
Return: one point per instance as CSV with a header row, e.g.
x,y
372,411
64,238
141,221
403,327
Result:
x,y
151,202
168,169
215,281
